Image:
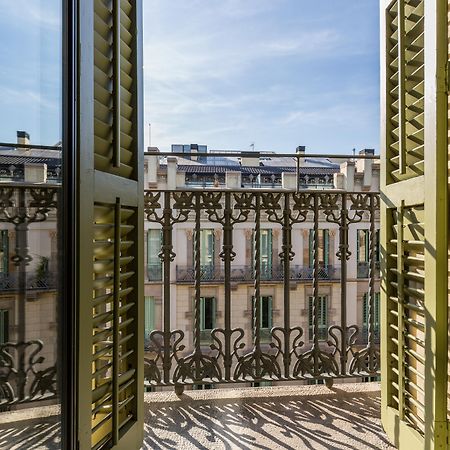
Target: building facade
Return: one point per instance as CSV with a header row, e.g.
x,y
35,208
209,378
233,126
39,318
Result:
x,y
269,173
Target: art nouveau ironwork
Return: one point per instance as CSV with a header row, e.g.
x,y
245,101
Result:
x,y
288,355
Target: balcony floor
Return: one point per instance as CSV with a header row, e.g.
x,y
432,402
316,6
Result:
x,y
284,417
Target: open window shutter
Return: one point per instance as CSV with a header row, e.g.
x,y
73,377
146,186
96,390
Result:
x,y
269,248
4,326
365,314
214,312
311,239
149,315
202,313
326,247
109,226
366,246
358,244
4,244
414,222
270,308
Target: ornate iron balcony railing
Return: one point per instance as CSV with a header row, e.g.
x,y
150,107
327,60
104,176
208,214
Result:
x,y
211,273
10,282
334,350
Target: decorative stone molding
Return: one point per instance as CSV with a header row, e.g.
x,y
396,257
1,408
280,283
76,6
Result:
x,y
248,233
189,234
276,232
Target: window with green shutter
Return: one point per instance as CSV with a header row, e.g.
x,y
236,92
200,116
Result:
x,y
266,317
207,317
376,322
154,264
4,326
323,317
324,248
266,249
362,246
149,317
206,252
4,251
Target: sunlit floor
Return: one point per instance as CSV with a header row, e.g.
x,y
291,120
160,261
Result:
x,y
285,417
290,417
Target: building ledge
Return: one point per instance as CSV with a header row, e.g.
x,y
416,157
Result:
x,y
296,417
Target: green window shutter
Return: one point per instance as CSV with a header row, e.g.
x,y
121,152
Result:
x,y
4,251
110,215
149,315
358,244
270,313
206,248
365,311
366,245
214,312
202,313
4,326
153,247
311,249
326,247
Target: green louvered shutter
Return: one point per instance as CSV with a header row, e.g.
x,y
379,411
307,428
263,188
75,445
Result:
x,y
4,251
326,247
4,326
414,223
311,248
149,320
110,226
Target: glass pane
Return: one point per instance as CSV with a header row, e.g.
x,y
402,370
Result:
x,y
30,225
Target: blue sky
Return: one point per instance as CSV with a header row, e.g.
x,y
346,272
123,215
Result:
x,y
30,70
226,73
279,73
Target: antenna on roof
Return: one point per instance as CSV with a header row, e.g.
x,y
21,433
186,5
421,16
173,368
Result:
x,y
252,146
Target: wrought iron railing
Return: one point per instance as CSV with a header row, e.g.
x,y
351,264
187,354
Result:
x,y
154,272
10,282
363,269
213,274
28,368
236,355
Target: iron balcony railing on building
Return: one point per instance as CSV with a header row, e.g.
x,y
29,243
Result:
x,y
10,282
213,274
363,269
179,358
26,375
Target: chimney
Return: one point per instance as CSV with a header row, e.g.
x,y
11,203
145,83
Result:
x,y
23,138
152,164
172,168
365,166
300,150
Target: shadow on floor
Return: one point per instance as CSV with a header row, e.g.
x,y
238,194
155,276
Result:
x,y
338,422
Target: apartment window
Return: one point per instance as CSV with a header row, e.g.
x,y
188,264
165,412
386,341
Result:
x,y
4,326
376,321
206,248
265,317
324,248
207,317
363,246
266,248
154,264
149,316
4,251
322,313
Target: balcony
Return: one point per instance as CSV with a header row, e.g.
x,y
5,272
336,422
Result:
x,y
213,274
315,417
12,282
300,344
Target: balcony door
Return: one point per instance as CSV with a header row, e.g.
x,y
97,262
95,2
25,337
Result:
x,y
414,223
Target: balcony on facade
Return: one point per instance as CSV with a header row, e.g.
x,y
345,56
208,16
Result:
x,y
213,274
